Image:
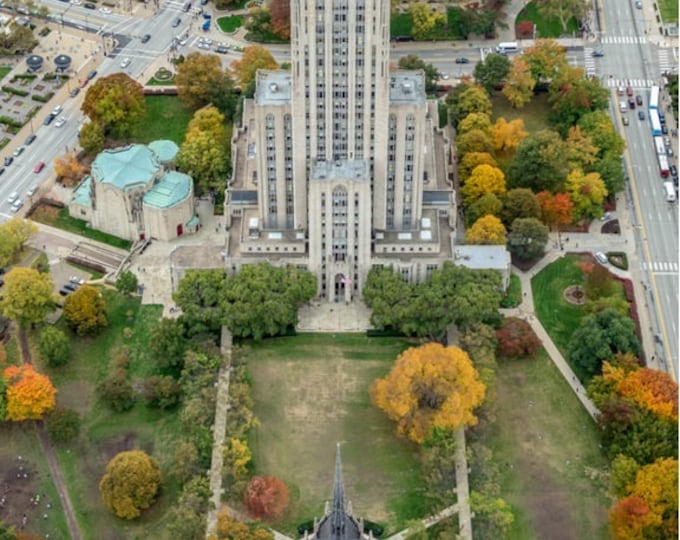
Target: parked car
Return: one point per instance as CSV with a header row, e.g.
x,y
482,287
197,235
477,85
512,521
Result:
x,y
176,22
64,292
221,49
145,38
39,167
674,170
17,206
19,150
77,280
92,74
89,5
669,151
601,257
629,90
8,161
125,63
83,83
105,10
2,170
70,287
75,92
462,60
638,4
664,129
31,191
186,7
30,139
12,197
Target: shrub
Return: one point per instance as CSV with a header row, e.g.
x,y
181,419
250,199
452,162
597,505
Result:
x,y
516,338
117,392
618,259
161,392
54,346
15,91
63,424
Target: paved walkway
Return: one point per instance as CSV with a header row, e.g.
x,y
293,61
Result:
x,y
462,488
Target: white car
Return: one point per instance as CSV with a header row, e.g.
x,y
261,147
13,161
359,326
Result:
x,y
17,206
13,197
31,191
76,280
76,2
125,63
601,257
57,110
60,122
105,10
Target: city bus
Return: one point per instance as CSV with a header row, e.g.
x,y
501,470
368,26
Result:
x,y
507,47
656,123
663,166
654,97
660,146
669,189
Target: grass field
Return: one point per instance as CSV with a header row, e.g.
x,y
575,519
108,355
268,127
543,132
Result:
x,y
230,24
312,391
4,70
166,118
105,433
669,10
534,115
548,447
545,28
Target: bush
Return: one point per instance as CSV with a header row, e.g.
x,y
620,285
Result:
x,y
161,392
375,528
618,259
117,392
126,282
42,99
54,346
63,424
15,91
516,338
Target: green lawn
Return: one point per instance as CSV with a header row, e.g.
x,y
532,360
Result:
x,y
4,70
551,465
513,296
669,10
230,24
545,28
105,433
400,24
312,391
166,118
62,220
534,115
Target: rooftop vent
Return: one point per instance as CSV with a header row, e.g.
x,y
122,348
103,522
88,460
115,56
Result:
x,y
407,87
273,87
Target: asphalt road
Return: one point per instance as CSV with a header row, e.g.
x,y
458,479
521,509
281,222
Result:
x,y
630,59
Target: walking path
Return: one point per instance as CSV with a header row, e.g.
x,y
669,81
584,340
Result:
x,y
462,488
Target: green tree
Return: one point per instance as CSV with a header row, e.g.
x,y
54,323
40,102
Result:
x,y
130,484
487,204
519,203
54,346
184,460
63,424
92,138
198,295
540,163
527,238
115,102
546,58
465,99
161,392
571,95
600,337
623,471
587,192
202,81
27,297
203,153
426,22
187,516
85,311
563,10
519,86
117,392
387,294
168,344
493,516
18,40
492,71
411,61
582,153
599,127
263,300
475,140
610,169
14,234
126,282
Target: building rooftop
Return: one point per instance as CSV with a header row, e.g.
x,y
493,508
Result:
x,y
172,188
126,168
407,87
482,257
341,170
81,194
165,150
273,87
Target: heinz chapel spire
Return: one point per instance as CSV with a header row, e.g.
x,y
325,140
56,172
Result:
x,y
339,164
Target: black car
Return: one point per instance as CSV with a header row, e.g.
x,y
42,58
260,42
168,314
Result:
x,y
49,118
221,49
75,91
462,61
638,100
89,5
187,6
92,74
674,170
64,292
598,54
664,129
641,115
30,139
176,22
70,287
8,161
2,170
145,38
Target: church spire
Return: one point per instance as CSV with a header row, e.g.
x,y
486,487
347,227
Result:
x,y
338,511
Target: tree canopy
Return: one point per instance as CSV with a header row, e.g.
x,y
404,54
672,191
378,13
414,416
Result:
x,y
130,484
266,497
202,81
527,238
29,394
429,386
254,57
14,234
85,311
54,346
540,163
487,230
27,296
411,61
492,71
116,103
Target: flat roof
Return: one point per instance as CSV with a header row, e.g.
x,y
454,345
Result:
x,y
172,188
273,87
482,257
407,87
355,169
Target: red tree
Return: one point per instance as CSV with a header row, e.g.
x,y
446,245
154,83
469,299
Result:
x,y
266,497
516,338
280,14
629,517
557,209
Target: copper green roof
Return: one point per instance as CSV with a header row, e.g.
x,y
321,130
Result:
x,y
126,168
165,150
172,188
81,195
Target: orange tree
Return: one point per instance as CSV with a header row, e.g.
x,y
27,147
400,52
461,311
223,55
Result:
x,y
29,394
430,386
266,497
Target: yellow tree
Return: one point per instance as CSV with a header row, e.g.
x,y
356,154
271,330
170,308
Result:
x,y
254,57
85,311
470,160
69,168
484,179
519,85
581,152
29,394
653,390
430,386
546,58
13,236
474,120
507,135
426,22
475,140
27,296
487,230
587,192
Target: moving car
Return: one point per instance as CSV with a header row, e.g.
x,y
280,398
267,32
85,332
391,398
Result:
x,y
105,10
8,161
629,90
462,60
17,206
57,110
39,167
125,63
664,129
145,38
625,120
19,150
176,22
641,114
60,122
638,99
598,54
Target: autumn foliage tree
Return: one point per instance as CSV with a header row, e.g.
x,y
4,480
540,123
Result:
x,y
507,135
653,390
484,179
487,230
201,80
69,168
29,394
557,209
266,497
470,160
130,484
519,85
85,311
429,386
115,102
27,296
254,57
280,15
516,338
587,192
229,528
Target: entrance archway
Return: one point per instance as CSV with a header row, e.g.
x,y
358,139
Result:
x,y
340,283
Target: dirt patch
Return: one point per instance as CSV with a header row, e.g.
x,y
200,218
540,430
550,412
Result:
x,y
109,448
18,490
575,295
611,227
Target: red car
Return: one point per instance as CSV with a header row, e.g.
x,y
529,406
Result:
x,y
84,82
39,167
